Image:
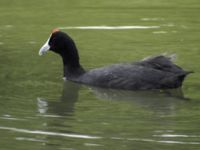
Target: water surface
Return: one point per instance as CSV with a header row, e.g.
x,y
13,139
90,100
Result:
x,y
38,110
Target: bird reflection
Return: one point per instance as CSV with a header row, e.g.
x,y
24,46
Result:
x,y
66,103
155,100
60,116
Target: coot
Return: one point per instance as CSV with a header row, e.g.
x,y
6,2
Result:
x,y
157,72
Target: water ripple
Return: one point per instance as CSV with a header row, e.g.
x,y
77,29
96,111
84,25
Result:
x,y
163,141
109,27
50,116
156,141
92,144
176,135
9,117
98,137
49,133
29,139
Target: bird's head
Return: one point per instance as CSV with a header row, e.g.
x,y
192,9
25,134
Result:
x,y
57,42
62,44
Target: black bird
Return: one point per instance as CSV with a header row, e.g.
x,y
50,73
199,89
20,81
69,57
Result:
x,y
152,73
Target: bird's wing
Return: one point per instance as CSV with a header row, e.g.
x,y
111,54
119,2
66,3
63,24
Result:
x,y
163,63
126,76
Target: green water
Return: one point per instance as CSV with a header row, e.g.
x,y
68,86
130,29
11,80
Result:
x,y
39,111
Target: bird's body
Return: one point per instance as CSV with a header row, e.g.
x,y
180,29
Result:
x,y
133,76
153,73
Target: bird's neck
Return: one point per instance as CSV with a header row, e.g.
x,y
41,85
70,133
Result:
x,y
73,73
72,67
70,56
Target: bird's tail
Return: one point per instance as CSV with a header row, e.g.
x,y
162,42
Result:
x,y
181,77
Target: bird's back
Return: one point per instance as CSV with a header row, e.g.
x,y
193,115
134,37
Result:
x,y
154,73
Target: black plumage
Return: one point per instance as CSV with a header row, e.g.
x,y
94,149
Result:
x,y
157,72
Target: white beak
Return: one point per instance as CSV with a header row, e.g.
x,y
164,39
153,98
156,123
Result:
x,y
45,47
